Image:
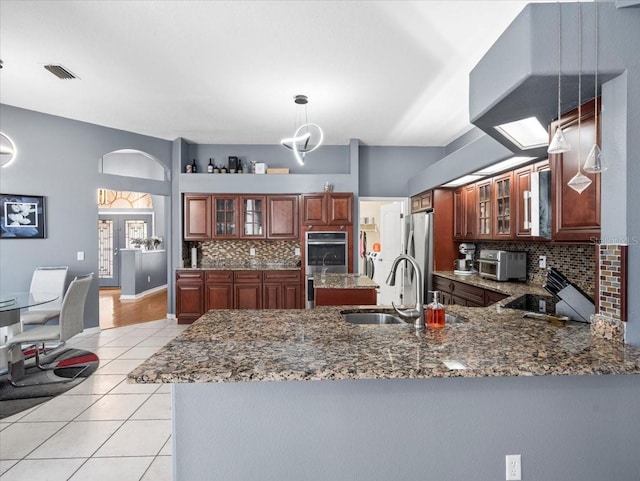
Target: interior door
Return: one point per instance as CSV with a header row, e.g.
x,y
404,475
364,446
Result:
x,y
115,232
391,232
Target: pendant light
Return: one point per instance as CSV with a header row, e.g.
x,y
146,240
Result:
x,y
579,182
305,134
596,163
559,143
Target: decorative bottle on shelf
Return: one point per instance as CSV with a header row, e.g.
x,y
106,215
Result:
x,y
194,167
435,312
210,166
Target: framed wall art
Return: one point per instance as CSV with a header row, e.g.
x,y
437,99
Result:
x,y
22,216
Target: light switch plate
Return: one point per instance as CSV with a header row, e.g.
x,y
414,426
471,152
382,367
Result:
x,y
80,255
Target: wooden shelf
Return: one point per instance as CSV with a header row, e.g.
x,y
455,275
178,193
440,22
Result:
x,y
368,227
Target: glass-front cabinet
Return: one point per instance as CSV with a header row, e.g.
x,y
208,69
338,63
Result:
x,y
253,217
225,212
483,190
502,198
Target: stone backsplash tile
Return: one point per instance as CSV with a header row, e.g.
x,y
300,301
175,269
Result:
x,y
611,282
235,252
576,262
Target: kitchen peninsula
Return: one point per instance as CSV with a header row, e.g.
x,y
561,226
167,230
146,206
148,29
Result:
x,y
344,289
373,402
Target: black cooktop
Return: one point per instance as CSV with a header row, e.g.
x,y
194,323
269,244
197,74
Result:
x,y
534,303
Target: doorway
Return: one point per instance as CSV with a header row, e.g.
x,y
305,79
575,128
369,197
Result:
x,y
116,232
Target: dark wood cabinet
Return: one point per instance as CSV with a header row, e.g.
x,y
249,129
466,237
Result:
x,y
576,217
218,290
197,217
327,208
225,216
464,215
189,296
283,217
502,190
281,290
422,202
484,210
247,290
522,208
253,213
345,297
463,294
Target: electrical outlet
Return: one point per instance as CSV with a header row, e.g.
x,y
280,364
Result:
x,y
252,251
542,306
514,467
542,262
80,255
297,251
148,278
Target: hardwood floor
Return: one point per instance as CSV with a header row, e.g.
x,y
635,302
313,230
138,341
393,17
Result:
x,y
117,313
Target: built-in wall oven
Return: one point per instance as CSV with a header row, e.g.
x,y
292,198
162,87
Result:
x,y
324,252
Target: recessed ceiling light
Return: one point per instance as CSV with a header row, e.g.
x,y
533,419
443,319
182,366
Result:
x,y
503,165
465,179
525,133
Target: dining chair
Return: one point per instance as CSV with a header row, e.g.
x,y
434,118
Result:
x,y
45,280
71,320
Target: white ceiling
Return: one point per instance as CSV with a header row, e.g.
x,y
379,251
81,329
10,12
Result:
x,y
386,72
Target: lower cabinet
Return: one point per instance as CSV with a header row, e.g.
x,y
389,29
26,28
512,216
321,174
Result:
x,y
462,294
199,291
189,296
345,297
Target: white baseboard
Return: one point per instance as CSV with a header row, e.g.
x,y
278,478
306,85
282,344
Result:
x,y
171,316
142,294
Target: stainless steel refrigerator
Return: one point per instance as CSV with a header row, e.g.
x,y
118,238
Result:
x,y
418,244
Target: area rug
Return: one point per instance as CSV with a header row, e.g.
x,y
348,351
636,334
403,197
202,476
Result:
x,y
65,370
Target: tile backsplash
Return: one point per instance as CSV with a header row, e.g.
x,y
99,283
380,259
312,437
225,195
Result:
x,y
612,280
238,252
577,262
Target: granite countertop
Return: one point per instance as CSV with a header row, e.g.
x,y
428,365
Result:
x,y
511,289
317,344
245,266
343,281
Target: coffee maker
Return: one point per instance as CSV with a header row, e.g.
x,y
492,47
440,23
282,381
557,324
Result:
x,y
464,267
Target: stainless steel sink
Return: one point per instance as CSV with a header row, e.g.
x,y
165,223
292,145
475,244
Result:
x,y
371,318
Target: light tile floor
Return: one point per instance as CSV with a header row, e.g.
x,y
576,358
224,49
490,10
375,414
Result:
x,y
103,429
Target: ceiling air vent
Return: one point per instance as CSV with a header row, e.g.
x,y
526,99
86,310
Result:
x,y
60,72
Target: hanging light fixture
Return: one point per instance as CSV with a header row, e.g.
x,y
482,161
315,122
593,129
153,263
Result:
x,y
307,136
579,182
559,143
596,163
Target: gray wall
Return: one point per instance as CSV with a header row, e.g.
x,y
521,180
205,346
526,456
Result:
x,y
566,428
142,270
385,171
59,158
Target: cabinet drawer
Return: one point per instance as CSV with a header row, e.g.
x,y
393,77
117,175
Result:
x,y
189,276
247,276
471,293
281,276
491,297
218,276
442,284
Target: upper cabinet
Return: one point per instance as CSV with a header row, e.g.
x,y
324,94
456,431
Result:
x,y
327,208
576,217
502,206
422,202
484,211
521,201
283,217
247,216
464,214
197,217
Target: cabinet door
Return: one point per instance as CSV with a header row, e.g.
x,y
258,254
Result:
x,y
218,296
314,209
458,214
522,206
415,204
502,206
254,216
248,296
225,217
340,207
197,217
470,220
272,295
576,216
283,217
484,211
422,202
291,296
189,301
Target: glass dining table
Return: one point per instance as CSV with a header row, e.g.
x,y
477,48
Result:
x,y
10,305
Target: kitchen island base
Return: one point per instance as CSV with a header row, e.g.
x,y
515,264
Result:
x,y
565,427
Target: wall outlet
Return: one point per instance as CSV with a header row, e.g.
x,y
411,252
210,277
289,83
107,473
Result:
x,y
542,262
514,467
148,278
252,251
297,251
542,306
80,255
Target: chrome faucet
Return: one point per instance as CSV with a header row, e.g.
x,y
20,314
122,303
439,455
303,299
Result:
x,y
417,313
